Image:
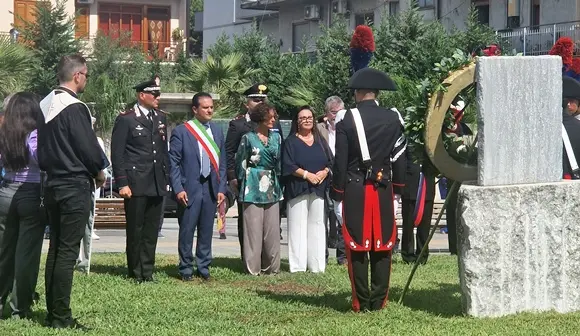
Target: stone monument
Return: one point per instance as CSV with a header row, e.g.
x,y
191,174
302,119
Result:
x,y
519,223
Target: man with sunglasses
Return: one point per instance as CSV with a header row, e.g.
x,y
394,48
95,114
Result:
x,y
239,126
141,170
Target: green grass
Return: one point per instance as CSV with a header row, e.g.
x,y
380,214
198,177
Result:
x,y
287,304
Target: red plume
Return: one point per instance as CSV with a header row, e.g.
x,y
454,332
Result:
x,y
564,48
363,39
575,67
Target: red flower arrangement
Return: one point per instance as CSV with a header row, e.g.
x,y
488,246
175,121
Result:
x,y
564,48
363,39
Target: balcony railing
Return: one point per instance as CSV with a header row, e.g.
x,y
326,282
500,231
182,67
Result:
x,y
538,40
166,51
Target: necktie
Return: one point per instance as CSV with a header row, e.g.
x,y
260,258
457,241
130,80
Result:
x,y
205,169
150,116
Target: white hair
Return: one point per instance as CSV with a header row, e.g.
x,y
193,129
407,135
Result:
x,y
333,101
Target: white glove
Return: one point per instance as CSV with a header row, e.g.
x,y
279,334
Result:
x,y
396,202
338,211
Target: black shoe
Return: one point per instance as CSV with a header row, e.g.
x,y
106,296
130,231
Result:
x,y
73,324
149,279
222,236
203,277
186,278
332,243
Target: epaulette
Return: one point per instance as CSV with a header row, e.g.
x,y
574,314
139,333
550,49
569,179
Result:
x,y
128,112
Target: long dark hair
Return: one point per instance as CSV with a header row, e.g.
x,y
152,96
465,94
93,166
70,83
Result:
x,y
294,125
20,118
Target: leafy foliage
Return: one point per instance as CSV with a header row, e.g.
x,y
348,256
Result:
x,y
228,77
50,36
16,65
115,66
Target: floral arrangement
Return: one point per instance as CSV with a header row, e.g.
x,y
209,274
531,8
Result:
x,y
564,48
362,47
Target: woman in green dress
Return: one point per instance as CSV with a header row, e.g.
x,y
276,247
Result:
x,y
258,167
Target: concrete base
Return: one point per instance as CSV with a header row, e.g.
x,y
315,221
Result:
x,y
519,248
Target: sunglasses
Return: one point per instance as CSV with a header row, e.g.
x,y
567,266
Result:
x,y
154,93
258,100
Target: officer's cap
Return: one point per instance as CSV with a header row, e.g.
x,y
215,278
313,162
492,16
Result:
x,y
257,90
148,86
371,79
570,88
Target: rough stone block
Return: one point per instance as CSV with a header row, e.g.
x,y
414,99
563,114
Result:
x,y
519,248
519,119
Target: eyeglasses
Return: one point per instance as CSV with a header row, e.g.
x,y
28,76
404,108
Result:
x,y
306,118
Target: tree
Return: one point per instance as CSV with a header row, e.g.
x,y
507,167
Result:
x,y
229,77
50,36
16,65
115,66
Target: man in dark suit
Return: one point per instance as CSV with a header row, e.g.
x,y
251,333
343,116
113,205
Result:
x,y
417,207
198,178
140,168
368,173
239,126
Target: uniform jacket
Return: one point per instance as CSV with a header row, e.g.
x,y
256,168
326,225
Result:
x,y
139,152
184,155
386,143
236,129
572,126
413,175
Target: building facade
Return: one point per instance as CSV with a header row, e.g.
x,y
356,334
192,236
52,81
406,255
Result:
x,y
150,23
294,24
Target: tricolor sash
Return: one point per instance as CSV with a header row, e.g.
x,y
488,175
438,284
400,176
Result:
x,y
208,144
420,203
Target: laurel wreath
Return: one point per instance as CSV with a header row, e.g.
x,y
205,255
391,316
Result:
x,y
462,148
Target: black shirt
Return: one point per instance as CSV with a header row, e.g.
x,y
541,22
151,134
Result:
x,y
67,145
297,154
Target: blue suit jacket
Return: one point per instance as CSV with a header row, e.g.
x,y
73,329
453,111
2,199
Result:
x,y
185,163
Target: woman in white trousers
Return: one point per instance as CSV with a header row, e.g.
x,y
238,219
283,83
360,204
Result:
x,y
306,162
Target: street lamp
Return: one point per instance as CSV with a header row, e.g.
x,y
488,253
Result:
x,y
14,35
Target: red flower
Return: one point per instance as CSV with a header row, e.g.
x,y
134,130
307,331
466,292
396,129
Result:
x,y
363,39
575,67
564,48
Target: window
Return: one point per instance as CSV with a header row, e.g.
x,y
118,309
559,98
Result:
x,y
535,12
364,18
483,14
393,8
25,11
148,26
82,21
300,34
425,3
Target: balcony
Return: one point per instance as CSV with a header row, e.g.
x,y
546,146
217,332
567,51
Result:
x,y
262,4
538,40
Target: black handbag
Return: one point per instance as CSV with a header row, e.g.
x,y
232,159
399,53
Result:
x,y
42,212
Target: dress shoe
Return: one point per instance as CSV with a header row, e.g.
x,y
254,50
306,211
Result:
x,y
149,279
186,278
73,324
222,236
202,276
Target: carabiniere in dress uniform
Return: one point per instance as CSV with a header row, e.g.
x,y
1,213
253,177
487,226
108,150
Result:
x,y
369,168
141,170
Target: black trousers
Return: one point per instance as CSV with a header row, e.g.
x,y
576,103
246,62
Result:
x,y
142,214
408,251
20,244
333,229
358,269
451,218
68,203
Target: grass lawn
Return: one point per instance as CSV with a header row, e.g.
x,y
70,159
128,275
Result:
x,y
286,304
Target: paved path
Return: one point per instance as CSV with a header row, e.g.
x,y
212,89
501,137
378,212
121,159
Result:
x,y
114,240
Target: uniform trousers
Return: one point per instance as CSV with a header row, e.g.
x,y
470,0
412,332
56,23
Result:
x,y
197,217
261,238
358,268
306,233
408,251
451,219
334,224
68,204
84,264
142,214
20,244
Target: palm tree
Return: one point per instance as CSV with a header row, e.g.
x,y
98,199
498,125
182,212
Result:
x,y
227,77
16,65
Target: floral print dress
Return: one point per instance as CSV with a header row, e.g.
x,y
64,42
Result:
x,y
258,167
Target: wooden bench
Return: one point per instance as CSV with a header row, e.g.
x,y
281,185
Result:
x,y
110,213
436,211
